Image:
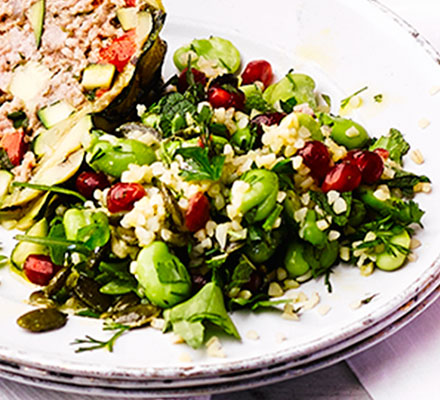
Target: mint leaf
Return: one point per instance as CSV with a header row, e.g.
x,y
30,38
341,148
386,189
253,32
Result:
x,y
206,306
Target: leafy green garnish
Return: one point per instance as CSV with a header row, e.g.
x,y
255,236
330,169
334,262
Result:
x,y
57,252
270,220
95,344
188,318
199,165
378,98
242,272
327,99
97,234
5,161
255,101
344,102
394,142
116,278
69,245
287,106
170,113
19,119
405,181
46,188
320,198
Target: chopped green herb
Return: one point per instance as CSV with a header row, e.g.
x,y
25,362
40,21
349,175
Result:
x,y
19,119
344,102
378,98
46,188
199,165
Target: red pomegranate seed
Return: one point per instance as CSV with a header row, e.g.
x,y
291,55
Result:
x,y
267,119
259,70
197,214
87,182
343,177
122,196
370,164
316,156
183,84
219,97
383,153
40,269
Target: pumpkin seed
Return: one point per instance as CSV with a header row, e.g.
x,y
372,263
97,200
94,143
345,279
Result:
x,y
42,320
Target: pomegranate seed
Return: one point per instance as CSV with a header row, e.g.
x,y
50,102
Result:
x,y
259,70
316,156
122,196
370,164
219,97
197,214
40,269
343,177
183,84
383,153
267,119
87,182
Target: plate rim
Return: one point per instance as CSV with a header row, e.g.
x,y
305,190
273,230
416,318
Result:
x,y
82,368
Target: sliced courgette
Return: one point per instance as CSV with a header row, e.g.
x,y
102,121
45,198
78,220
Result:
x,y
388,261
98,76
5,181
127,16
55,113
24,249
36,17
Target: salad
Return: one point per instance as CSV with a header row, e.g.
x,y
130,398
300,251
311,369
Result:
x,y
228,189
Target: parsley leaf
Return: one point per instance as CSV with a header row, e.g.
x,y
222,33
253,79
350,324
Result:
x,y
394,142
344,102
199,166
339,219
405,181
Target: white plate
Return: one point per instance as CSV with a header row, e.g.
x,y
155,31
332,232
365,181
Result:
x,y
344,45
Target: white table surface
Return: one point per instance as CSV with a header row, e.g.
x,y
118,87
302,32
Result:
x,y
334,383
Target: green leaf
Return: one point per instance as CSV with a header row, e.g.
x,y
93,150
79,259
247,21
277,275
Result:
x,y
206,306
287,106
97,234
57,252
118,287
378,98
19,119
339,219
405,181
344,102
199,165
191,332
270,220
394,142
5,162
242,273
46,188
